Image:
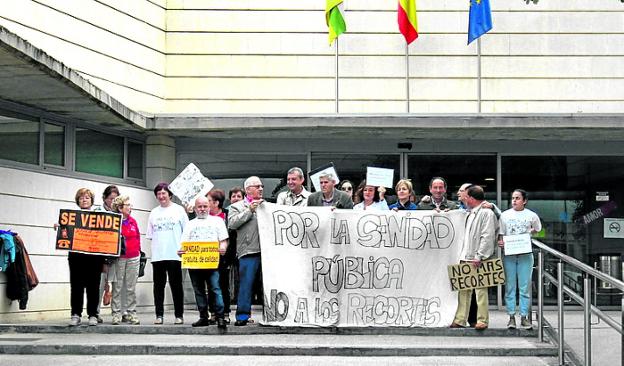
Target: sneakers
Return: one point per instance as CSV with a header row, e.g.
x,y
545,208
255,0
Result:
x,y
99,319
74,321
512,322
201,322
125,317
525,323
93,320
116,319
226,317
132,319
179,321
159,320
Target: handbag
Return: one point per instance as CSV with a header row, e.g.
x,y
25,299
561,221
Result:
x,y
106,299
142,264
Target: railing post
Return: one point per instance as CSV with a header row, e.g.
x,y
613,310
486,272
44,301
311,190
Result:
x,y
560,310
540,295
587,312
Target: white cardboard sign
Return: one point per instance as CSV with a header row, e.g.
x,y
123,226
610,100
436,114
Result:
x,y
316,173
190,184
517,244
379,177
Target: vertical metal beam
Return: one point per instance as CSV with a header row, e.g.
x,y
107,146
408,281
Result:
x,y
309,164
560,305
587,318
540,295
499,201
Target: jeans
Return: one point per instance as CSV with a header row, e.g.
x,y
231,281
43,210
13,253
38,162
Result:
x,y
161,270
224,285
210,278
126,277
247,271
518,273
84,274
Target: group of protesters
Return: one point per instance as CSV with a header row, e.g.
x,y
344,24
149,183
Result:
x,y
235,229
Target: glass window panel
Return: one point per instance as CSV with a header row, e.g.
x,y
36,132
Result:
x,y
99,153
456,170
54,144
572,195
20,140
135,160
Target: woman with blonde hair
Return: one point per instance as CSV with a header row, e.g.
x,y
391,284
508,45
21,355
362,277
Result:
x,y
404,191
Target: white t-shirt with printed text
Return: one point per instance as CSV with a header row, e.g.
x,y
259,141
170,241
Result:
x,y
514,222
164,227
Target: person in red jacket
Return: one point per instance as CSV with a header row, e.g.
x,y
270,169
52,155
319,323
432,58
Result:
x,y
127,266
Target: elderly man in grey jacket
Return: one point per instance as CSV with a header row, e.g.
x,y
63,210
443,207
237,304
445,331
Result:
x,y
479,243
242,218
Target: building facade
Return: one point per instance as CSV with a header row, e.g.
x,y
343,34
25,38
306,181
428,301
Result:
x,y
129,93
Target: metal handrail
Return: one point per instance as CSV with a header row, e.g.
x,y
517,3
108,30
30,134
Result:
x,y
580,265
588,309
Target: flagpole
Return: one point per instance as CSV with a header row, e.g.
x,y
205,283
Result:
x,y
479,75
337,95
407,86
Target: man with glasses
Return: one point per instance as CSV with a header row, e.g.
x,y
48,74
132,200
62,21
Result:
x,y
242,218
330,196
296,195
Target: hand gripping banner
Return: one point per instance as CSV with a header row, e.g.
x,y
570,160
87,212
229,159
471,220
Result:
x,y
350,268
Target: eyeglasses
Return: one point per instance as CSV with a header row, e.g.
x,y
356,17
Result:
x,y
256,186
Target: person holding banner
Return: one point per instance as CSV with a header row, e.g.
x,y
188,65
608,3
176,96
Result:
x,y
242,218
127,266
164,227
85,271
371,198
330,196
347,187
517,224
403,190
479,243
206,228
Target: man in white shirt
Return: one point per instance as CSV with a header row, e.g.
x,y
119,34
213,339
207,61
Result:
x,y
206,228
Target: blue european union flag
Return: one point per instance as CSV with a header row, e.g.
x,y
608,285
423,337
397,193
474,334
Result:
x,y
480,21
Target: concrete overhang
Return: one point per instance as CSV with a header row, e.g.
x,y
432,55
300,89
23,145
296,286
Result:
x,y
549,127
30,77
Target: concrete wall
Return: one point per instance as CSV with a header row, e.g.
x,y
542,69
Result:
x,y
31,202
249,56
261,57
117,45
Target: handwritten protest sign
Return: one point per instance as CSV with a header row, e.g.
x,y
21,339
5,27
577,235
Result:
x,y
89,232
379,177
190,184
200,255
465,276
347,268
517,244
315,174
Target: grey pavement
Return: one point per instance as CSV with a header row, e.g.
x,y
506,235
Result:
x,y
38,360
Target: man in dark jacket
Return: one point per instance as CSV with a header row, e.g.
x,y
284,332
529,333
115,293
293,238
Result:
x,y
438,201
330,196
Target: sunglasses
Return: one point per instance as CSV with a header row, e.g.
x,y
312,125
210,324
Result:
x,y
347,188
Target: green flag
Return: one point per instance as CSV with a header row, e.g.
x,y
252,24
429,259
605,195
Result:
x,y
334,15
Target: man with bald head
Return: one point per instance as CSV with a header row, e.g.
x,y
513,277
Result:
x,y
206,228
242,218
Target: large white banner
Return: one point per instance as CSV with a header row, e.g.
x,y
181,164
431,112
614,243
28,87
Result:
x,y
350,268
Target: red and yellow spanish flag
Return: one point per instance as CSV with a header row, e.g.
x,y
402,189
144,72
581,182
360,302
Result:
x,y
408,24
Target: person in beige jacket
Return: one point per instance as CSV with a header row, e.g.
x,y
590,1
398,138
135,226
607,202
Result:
x,y
479,243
